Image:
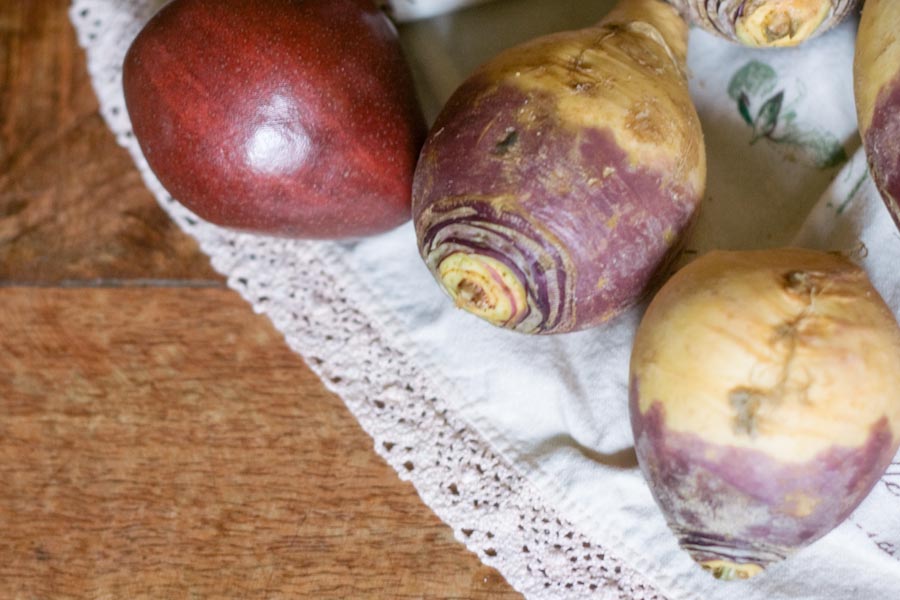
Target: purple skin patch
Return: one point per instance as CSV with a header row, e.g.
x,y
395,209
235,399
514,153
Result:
x,y
581,213
741,505
883,146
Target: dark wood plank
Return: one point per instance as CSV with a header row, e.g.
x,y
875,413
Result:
x,y
148,452
72,204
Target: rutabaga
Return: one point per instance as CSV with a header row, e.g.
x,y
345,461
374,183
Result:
x,y
560,179
765,402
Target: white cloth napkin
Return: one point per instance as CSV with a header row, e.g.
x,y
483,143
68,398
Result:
x,y
411,10
784,167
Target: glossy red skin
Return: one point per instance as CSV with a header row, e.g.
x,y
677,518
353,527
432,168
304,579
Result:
x,y
286,117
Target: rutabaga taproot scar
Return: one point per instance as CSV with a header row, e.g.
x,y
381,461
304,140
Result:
x,y
766,23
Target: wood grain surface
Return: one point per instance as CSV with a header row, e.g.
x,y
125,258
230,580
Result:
x,y
157,438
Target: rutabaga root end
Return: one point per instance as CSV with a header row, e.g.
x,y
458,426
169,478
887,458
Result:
x,y
485,287
727,570
780,23
765,23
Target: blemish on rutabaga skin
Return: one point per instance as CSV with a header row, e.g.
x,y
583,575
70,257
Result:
x,y
746,403
507,142
804,283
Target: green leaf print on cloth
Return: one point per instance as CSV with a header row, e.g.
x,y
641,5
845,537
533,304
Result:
x,y
766,111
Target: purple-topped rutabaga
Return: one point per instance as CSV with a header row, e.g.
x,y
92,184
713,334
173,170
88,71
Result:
x,y
765,402
877,88
559,180
765,23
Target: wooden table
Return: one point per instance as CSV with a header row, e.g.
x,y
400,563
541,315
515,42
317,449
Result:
x,y
158,439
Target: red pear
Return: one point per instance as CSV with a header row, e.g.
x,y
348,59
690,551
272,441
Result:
x,y
284,117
